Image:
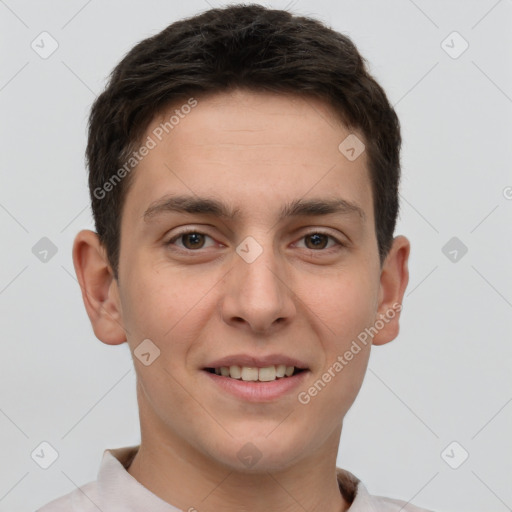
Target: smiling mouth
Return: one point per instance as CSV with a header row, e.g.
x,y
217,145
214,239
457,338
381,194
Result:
x,y
255,374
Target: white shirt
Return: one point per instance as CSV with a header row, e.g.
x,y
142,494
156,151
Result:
x,y
116,490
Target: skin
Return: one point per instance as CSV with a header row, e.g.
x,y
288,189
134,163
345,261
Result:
x,y
256,152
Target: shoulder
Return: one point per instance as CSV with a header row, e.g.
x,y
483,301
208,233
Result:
x,y
113,484
383,504
367,502
82,499
361,500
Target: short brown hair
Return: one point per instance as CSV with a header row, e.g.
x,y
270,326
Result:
x,y
241,46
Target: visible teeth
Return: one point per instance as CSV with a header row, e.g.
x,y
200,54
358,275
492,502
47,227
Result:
x,y
249,373
252,374
235,372
281,370
267,374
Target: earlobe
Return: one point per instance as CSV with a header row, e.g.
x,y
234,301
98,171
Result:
x,y
393,282
99,288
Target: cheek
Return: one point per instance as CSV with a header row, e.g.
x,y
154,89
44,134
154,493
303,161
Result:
x,y
337,383
162,308
345,305
157,295
170,313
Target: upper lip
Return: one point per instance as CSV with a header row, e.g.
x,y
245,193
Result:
x,y
257,361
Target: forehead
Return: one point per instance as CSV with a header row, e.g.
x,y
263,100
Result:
x,y
260,150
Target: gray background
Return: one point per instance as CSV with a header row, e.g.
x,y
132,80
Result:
x,y
448,375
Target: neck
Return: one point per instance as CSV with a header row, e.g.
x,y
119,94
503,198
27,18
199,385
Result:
x,y
206,489
192,481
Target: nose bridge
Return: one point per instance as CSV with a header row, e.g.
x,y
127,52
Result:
x,y
257,293
261,275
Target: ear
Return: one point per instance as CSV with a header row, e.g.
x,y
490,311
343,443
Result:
x,y
99,288
393,282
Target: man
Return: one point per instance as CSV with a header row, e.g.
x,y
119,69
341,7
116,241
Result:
x,y
243,170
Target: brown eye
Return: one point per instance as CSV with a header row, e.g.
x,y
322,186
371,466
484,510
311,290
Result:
x,y
193,240
316,241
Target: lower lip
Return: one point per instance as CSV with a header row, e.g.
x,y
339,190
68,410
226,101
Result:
x,y
258,391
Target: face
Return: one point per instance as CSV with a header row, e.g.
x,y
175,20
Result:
x,y
248,250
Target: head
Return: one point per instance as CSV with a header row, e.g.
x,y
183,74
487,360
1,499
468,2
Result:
x,y
232,126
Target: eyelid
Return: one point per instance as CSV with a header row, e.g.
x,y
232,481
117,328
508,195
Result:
x,y
310,231
319,231
187,231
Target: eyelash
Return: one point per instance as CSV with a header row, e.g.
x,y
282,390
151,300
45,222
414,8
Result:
x,y
176,237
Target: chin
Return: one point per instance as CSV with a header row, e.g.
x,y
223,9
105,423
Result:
x,y
263,453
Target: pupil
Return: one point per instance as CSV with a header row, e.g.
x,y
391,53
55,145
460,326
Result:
x,y
318,240
193,240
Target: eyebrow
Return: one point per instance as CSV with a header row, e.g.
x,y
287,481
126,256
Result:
x,y
207,206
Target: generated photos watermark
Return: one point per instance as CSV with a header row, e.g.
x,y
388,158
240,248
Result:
x,y
150,143
304,397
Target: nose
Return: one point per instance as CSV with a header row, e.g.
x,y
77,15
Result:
x,y
258,296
